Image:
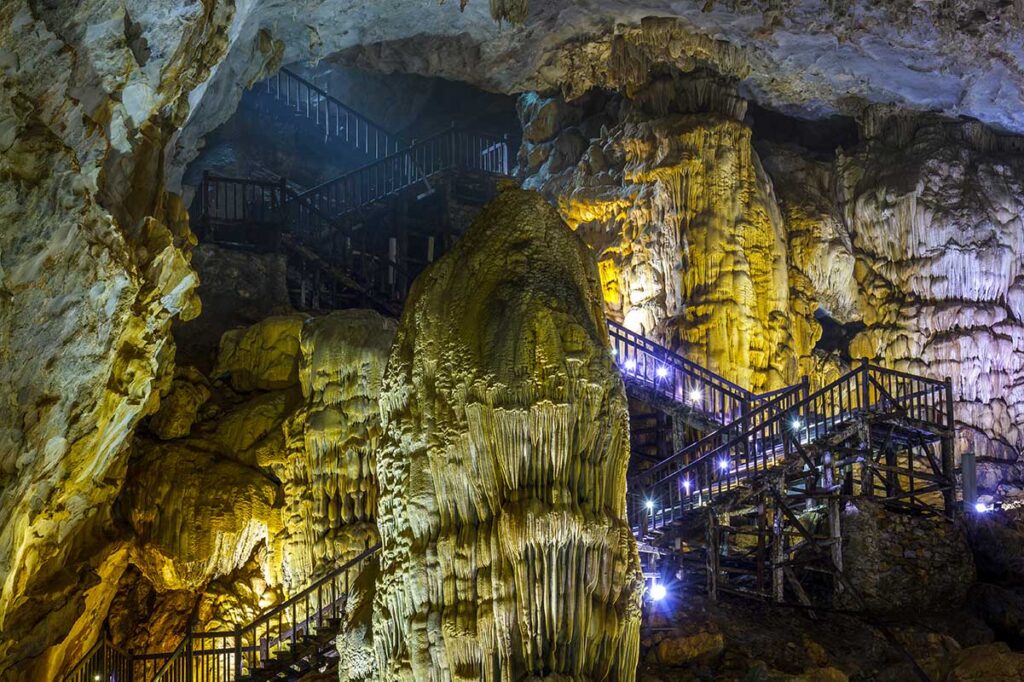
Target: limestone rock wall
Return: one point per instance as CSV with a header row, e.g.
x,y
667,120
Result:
x,y
936,211
93,266
669,192
246,485
502,473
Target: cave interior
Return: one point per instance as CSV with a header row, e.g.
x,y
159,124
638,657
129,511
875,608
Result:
x,y
511,342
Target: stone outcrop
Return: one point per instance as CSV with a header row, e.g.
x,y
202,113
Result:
x,y
892,561
272,483
93,266
690,242
502,474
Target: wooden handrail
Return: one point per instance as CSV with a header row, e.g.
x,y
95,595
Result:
x,y
779,396
847,397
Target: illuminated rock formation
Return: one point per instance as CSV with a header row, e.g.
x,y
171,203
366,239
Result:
x,y
691,245
329,475
936,213
505,549
196,516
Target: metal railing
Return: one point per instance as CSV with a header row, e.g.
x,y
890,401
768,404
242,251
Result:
x,y
315,213
310,618
332,119
103,661
766,437
446,151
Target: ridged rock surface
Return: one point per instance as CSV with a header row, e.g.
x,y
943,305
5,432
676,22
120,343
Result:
x,y
502,475
683,220
937,214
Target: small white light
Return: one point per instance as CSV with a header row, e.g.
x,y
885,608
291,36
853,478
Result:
x,y
686,485
723,465
630,365
980,507
795,424
97,678
649,504
695,396
662,372
658,592
615,351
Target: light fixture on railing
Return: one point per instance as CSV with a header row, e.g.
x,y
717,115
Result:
x,y
723,464
649,504
658,592
796,424
630,365
661,371
695,396
686,485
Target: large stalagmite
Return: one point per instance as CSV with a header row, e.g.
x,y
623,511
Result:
x,y
505,549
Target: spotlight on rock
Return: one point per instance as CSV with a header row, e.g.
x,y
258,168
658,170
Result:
x,y
980,507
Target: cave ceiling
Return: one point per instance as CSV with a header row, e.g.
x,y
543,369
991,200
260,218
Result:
x,y
807,59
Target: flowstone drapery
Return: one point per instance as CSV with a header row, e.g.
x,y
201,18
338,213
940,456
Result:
x,y
667,189
502,475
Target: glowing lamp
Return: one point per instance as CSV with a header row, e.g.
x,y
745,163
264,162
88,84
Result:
x,y
695,396
658,592
686,485
649,504
630,365
980,507
795,424
662,372
723,465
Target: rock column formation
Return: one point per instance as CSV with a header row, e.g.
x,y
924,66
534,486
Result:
x,y
502,476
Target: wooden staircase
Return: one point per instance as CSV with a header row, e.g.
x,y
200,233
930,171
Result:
x,y
283,643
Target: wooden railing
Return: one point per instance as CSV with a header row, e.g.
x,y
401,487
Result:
x,y
226,655
671,376
766,437
332,119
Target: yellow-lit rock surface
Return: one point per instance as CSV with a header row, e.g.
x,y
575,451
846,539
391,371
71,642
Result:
x,y
671,196
94,266
502,474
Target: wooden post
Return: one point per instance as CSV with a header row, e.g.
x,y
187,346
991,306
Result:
x,y
867,483
713,556
892,483
835,536
778,549
948,454
762,529
238,654
862,377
